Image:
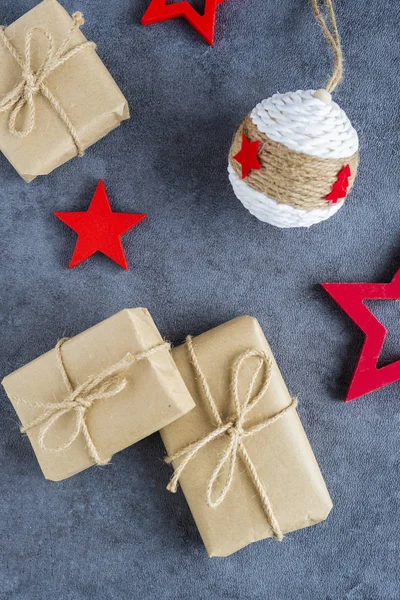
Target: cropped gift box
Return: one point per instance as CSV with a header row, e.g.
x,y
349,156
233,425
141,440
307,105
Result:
x,y
56,96
242,456
97,393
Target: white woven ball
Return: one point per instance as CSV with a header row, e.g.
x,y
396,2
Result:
x,y
306,124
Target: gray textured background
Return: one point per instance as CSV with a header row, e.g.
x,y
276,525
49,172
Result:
x,y
198,260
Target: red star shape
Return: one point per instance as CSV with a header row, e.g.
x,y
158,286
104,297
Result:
x,y
247,156
204,24
340,187
350,297
99,229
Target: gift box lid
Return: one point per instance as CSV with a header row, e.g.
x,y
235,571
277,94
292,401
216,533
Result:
x,y
154,395
82,86
281,453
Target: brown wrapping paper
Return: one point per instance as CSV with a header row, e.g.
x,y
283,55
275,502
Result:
x,y
83,87
281,453
154,396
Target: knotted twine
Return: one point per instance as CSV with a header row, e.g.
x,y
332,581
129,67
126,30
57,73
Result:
x,y
33,82
333,39
103,386
234,432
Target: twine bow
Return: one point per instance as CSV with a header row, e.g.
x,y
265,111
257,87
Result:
x,y
33,82
234,431
107,384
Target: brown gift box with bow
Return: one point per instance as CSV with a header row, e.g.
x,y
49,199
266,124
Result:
x,y
242,456
98,393
56,96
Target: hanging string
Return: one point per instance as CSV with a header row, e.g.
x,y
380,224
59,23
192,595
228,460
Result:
x,y
332,36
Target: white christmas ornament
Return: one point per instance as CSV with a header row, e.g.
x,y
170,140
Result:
x,y
295,156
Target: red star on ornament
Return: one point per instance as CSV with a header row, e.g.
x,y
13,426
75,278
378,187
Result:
x,y
340,187
204,24
99,229
247,156
350,297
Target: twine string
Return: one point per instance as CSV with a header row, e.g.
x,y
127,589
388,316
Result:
x,y
79,400
331,34
32,83
235,432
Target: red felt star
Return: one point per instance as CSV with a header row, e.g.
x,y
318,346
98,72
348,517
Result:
x,y
204,24
351,297
99,229
247,156
340,187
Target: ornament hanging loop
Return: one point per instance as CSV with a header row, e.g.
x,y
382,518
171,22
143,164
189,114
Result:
x,y
331,34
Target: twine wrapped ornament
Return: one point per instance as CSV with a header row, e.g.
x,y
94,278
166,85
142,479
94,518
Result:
x,y
294,158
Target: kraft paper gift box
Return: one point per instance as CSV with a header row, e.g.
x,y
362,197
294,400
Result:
x,y
69,106
247,469
97,393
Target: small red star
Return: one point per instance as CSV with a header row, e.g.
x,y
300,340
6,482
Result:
x,y
204,24
247,156
99,229
350,297
340,187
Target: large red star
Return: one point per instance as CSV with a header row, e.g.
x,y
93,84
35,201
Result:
x,y
247,156
204,24
99,229
350,297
